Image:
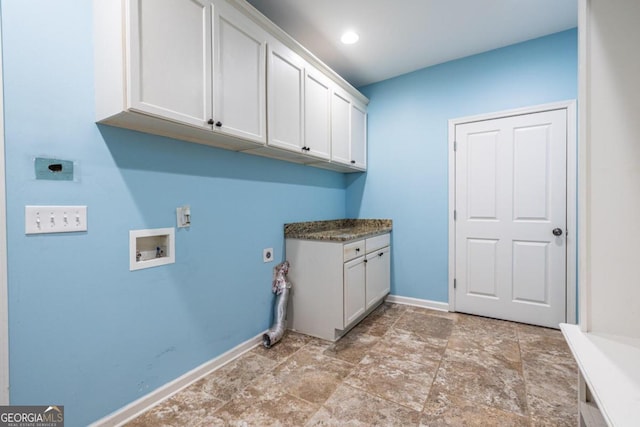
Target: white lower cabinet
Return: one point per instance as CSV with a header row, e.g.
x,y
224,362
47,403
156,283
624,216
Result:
x,y
336,284
354,289
378,273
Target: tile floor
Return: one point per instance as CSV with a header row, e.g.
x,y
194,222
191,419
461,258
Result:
x,y
401,366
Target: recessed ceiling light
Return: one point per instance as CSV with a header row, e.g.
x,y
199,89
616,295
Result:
x,y
349,37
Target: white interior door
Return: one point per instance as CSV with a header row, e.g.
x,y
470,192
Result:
x,y
510,204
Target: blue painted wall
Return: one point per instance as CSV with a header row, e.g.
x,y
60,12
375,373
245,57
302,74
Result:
x,y
408,131
85,332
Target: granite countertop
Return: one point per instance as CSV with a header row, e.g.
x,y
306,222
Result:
x,y
337,230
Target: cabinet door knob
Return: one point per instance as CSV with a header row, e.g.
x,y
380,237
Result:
x,y
357,249
218,124
353,162
210,121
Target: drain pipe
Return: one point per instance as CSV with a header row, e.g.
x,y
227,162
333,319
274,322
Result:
x,y
281,288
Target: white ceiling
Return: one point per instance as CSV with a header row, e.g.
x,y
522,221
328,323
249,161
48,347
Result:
x,y
399,36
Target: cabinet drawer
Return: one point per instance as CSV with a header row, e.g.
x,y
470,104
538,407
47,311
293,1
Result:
x,y
378,242
353,250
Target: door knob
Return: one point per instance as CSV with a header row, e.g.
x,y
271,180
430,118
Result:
x,y
557,232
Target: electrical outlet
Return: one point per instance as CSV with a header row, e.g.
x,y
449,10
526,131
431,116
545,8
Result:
x,y
54,219
267,255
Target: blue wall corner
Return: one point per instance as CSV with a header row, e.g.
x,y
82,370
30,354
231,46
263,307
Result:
x,y
407,178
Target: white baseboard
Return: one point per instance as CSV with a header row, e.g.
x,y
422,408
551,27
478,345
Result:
x,y
424,303
137,407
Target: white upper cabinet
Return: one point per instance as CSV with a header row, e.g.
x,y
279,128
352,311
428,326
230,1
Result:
x,y
170,57
340,128
217,72
239,75
348,131
286,98
358,141
317,115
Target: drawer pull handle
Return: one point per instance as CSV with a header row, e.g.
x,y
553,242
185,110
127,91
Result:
x,y
381,253
357,249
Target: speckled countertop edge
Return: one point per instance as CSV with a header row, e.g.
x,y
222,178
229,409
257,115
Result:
x,y
338,230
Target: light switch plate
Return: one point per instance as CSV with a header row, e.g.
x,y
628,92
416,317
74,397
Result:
x,y
54,219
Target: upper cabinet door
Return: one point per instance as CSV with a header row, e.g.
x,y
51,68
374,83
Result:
x,y
239,75
285,99
340,128
358,136
317,115
170,59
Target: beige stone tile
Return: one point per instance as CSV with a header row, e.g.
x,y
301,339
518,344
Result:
x,y
352,347
481,347
264,404
311,375
375,325
352,407
553,413
425,326
477,326
400,381
443,410
487,381
224,383
543,342
188,407
405,345
439,313
552,389
290,343
389,310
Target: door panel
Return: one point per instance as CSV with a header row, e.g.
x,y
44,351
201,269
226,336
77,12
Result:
x,y
354,290
171,59
531,172
510,195
317,119
340,128
481,177
286,98
378,274
530,272
240,70
481,271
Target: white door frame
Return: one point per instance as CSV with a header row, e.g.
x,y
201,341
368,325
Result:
x,y
570,107
4,295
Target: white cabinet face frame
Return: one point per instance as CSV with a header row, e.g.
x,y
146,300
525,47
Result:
x,y
239,71
285,81
170,71
570,107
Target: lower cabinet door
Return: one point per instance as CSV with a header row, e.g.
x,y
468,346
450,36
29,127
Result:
x,y
354,290
378,275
